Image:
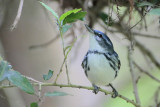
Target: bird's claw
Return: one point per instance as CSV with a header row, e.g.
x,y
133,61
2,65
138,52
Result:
x,y
96,89
115,94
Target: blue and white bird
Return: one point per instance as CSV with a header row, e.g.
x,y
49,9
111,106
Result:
x,y
101,63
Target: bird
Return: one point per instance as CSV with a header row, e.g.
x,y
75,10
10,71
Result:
x,y
101,63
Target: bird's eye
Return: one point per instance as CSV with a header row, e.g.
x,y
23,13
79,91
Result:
x,y
99,35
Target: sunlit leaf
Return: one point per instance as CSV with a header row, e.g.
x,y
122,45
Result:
x,y
74,17
50,9
155,11
63,16
47,77
56,93
65,28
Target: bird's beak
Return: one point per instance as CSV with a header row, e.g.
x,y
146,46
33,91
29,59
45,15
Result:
x,y
89,29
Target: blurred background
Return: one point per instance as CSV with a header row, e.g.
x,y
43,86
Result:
x,y
34,47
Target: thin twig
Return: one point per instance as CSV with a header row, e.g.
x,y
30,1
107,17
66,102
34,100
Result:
x,y
60,71
32,79
143,16
145,35
80,87
65,58
19,12
68,79
133,75
148,53
39,93
146,72
45,44
137,22
141,47
156,99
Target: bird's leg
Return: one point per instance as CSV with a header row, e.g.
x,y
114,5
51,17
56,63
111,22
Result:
x,y
96,88
115,93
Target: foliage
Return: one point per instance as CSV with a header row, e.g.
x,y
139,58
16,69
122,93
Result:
x,y
34,104
64,24
48,76
6,72
155,11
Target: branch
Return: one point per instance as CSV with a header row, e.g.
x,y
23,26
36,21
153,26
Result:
x,y
122,29
133,75
156,95
146,72
19,12
45,44
80,87
60,70
145,35
148,53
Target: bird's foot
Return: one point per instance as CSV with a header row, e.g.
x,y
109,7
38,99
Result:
x,y
115,93
96,89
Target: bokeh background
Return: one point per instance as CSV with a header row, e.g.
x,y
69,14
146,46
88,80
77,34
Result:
x,y
37,28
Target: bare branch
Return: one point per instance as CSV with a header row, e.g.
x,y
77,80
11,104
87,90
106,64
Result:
x,y
80,87
146,72
60,71
19,12
31,79
148,53
145,35
157,103
133,75
141,47
45,44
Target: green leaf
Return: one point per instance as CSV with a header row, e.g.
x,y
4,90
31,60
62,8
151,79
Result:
x,y
144,3
106,18
74,17
47,77
6,72
4,68
65,28
155,11
20,81
34,104
63,16
50,9
55,93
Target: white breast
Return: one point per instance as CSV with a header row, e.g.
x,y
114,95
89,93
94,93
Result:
x,y
100,72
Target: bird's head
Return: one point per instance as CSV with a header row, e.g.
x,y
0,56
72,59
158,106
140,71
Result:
x,y
99,41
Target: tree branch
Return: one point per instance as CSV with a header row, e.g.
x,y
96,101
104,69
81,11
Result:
x,y
145,35
133,75
45,44
146,72
80,87
19,12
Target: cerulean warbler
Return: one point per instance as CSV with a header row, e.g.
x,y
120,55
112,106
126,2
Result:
x,y
101,63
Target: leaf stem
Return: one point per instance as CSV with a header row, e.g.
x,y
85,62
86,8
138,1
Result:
x,y
65,58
